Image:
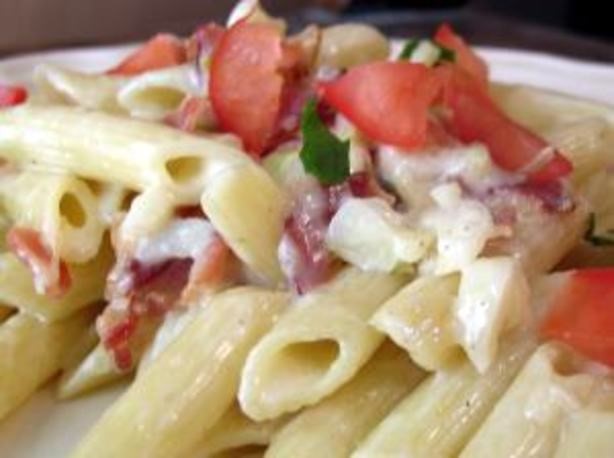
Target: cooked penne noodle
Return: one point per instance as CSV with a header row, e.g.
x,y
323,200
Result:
x,y
129,152
155,94
526,422
587,433
112,200
317,346
419,319
185,392
334,427
248,209
31,352
97,369
235,431
88,284
60,207
64,86
439,417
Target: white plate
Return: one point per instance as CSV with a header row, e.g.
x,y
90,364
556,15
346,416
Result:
x,y
44,428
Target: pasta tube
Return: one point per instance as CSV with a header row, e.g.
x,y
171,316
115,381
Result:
x,y
129,152
317,346
185,392
248,209
96,369
235,431
155,94
88,284
60,207
419,319
526,421
335,427
5,312
438,418
31,352
93,91
587,433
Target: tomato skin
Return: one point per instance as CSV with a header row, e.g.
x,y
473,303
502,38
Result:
x,y
245,84
582,314
161,51
388,101
474,117
12,95
466,58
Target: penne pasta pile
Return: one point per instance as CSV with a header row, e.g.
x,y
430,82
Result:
x,y
309,245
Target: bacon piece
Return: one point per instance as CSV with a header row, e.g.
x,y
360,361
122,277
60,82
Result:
x,y
193,113
50,274
306,260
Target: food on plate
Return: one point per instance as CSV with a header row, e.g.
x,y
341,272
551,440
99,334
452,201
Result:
x,y
309,244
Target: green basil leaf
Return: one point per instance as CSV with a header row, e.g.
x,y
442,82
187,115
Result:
x,y
409,48
323,155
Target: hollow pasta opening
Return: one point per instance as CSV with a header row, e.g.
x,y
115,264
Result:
x,y
165,98
72,210
300,365
245,451
184,169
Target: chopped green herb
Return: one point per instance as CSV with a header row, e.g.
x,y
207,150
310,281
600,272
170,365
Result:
x,y
427,52
323,155
447,54
597,240
409,48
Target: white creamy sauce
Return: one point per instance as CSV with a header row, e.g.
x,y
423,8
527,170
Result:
x,y
182,238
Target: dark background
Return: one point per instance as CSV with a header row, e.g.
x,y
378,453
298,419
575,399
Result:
x,y
579,28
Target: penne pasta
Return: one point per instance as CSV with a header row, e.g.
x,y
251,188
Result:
x,y
419,319
155,94
184,393
128,152
317,346
88,284
234,431
92,91
248,209
31,352
60,207
589,432
95,370
335,426
527,420
440,416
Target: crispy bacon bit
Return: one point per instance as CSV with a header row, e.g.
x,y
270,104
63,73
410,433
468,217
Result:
x,y
209,272
12,95
194,113
142,295
203,41
50,274
161,51
306,260
552,195
189,211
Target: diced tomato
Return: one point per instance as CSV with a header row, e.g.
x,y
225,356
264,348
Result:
x,y
12,95
388,101
159,52
51,276
251,69
474,117
582,314
466,58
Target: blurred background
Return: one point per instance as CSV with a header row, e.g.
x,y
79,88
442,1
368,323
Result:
x,y
579,28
